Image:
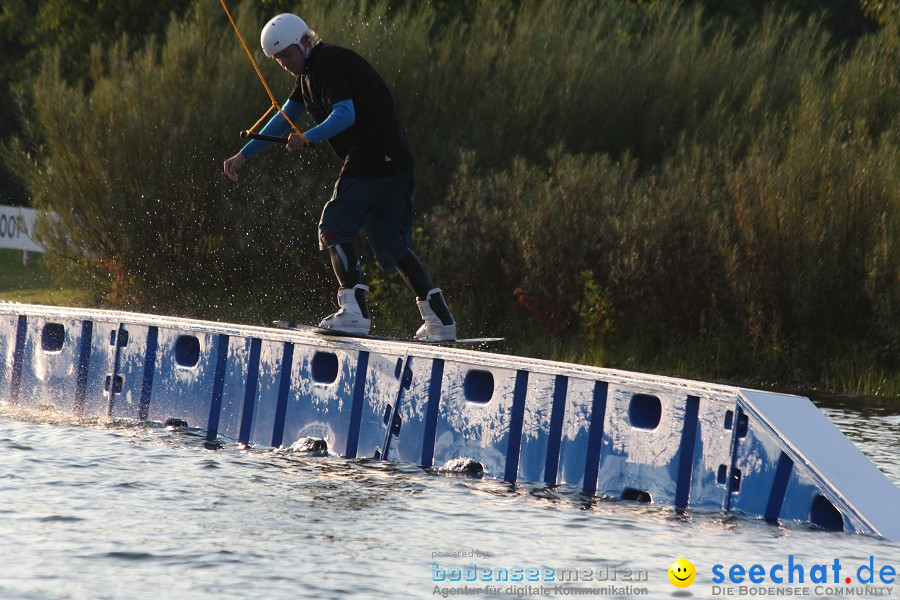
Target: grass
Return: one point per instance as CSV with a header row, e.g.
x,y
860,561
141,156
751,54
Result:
x,y
31,283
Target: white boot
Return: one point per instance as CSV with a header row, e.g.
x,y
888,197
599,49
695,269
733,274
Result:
x,y
350,316
433,330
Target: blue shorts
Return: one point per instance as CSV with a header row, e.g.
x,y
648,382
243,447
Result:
x,y
380,206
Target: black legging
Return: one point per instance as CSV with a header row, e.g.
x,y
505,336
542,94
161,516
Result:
x,y
345,262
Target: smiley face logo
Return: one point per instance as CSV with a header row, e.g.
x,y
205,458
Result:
x,y
682,573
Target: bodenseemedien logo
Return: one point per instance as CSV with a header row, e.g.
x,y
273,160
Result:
x,y
682,573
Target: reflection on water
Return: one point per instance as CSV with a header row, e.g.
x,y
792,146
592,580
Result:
x,y
112,510
873,424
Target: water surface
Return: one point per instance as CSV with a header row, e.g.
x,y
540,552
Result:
x,y
126,510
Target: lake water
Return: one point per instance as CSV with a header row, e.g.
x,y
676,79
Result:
x,y
125,510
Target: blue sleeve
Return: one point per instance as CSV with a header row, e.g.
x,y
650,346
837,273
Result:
x,y
342,116
277,125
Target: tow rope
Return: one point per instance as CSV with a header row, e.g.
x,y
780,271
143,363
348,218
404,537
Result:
x,y
275,106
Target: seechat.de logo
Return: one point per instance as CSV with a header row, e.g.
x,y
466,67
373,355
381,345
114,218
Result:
x,y
682,573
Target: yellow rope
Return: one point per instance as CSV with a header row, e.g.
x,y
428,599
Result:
x,y
262,79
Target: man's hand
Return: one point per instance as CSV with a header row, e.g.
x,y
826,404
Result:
x,y
233,164
295,141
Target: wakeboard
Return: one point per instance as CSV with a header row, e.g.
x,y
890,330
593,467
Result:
x,y
337,333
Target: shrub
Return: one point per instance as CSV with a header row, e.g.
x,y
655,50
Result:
x,y
655,178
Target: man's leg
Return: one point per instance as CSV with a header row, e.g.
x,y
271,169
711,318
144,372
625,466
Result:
x,y
416,277
341,220
347,268
388,227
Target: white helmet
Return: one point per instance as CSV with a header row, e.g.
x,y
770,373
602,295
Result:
x,y
281,32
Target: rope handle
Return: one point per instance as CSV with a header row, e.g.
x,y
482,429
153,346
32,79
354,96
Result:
x,y
249,135
275,104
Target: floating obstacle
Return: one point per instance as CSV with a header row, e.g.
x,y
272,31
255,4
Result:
x,y
644,438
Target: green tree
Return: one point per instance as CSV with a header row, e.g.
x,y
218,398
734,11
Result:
x,y
31,31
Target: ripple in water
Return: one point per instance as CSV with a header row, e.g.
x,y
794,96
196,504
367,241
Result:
x,y
106,510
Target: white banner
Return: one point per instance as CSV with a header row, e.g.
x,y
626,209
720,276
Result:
x,y
17,227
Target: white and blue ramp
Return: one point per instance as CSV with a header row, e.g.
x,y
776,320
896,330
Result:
x,y
688,444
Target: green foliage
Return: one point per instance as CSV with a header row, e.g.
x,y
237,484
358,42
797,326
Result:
x,y
30,32
133,168
691,193
594,310
845,21
762,210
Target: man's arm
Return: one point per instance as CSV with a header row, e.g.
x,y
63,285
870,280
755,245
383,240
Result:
x,y
342,116
277,126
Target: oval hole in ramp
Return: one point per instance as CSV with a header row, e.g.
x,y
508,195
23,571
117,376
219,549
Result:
x,y
645,411
52,337
722,475
824,514
636,496
324,367
478,386
187,351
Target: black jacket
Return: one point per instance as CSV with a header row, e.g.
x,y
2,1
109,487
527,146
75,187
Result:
x,y
376,144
